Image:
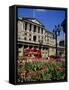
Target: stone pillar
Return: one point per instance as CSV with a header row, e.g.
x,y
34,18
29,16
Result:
x,y
37,29
46,39
28,36
42,54
32,28
32,38
37,33
52,51
37,38
43,31
23,26
40,30
47,52
21,51
40,34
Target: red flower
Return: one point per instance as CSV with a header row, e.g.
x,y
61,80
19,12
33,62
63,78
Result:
x,y
60,69
22,75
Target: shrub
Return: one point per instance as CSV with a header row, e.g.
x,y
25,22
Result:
x,y
42,70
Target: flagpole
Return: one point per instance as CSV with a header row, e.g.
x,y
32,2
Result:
x,y
33,13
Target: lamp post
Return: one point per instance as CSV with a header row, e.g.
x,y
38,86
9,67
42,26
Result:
x,y
40,44
56,32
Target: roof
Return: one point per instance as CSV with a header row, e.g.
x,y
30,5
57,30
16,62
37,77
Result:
x,y
34,20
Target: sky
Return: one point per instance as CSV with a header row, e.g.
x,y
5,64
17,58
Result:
x,y
49,18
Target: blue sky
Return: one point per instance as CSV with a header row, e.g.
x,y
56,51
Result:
x,y
49,18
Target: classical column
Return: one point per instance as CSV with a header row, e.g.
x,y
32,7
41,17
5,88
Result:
x,y
32,28
40,30
27,36
23,26
43,31
32,37
37,33
21,51
37,29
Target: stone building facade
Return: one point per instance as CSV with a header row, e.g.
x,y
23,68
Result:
x,y
32,34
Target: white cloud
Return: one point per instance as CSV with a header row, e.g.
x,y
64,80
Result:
x,y
41,10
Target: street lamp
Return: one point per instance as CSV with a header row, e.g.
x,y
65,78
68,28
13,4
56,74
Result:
x,y
40,44
56,32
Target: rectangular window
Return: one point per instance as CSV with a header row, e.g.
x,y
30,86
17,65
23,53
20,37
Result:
x,y
41,30
25,34
25,38
34,28
25,25
38,29
29,35
29,39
